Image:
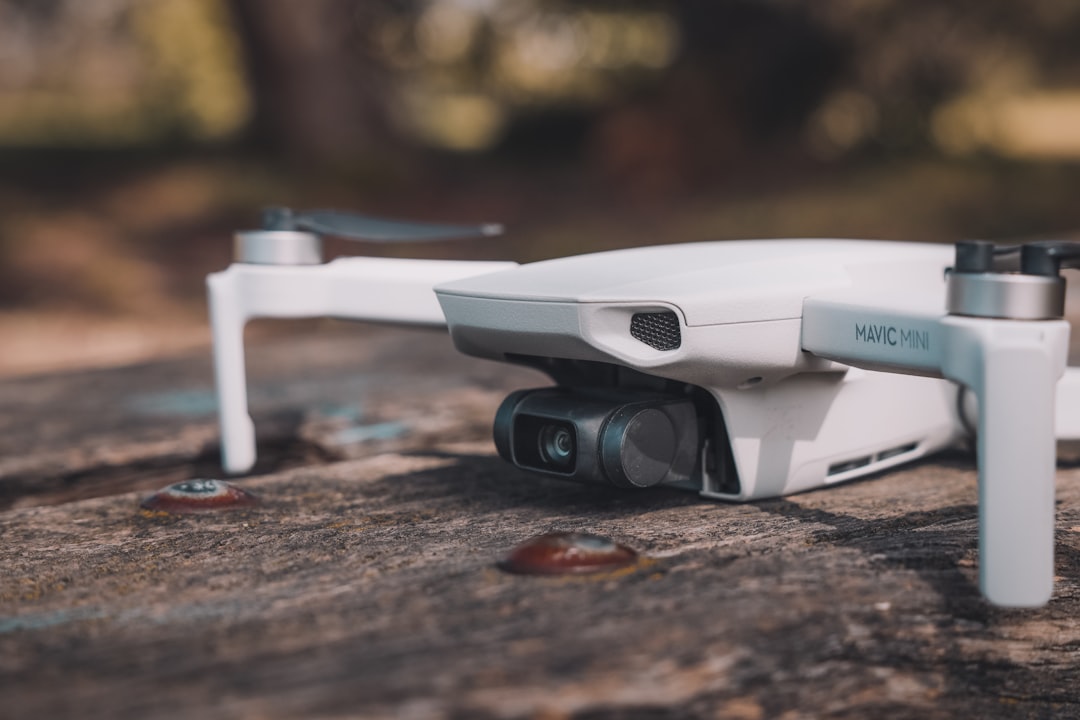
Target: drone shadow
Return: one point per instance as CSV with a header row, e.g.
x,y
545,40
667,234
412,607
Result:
x,y
927,542
490,484
937,544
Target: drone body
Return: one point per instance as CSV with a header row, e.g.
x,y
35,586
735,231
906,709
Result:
x,y
780,420
740,370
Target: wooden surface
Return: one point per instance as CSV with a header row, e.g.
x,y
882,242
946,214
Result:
x,y
365,585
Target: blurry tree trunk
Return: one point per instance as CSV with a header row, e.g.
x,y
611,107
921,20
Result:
x,y
320,94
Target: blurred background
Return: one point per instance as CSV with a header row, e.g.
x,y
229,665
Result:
x,y
136,135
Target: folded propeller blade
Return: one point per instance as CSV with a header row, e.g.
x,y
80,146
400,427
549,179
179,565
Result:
x,y
362,227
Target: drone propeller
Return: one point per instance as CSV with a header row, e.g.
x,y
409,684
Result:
x,y
295,238
362,227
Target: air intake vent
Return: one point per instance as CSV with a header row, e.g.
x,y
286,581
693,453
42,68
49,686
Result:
x,y
659,330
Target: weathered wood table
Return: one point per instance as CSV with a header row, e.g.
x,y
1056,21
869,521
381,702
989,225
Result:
x,y
364,584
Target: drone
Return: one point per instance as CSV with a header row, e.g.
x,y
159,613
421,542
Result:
x,y
740,370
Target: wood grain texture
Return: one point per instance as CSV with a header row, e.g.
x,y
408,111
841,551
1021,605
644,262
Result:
x,y
364,584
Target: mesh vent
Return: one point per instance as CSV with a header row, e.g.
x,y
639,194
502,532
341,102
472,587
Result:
x,y
659,330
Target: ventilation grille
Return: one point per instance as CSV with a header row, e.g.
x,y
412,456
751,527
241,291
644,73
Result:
x,y
659,330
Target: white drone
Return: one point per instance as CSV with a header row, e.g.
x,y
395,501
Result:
x,y
740,370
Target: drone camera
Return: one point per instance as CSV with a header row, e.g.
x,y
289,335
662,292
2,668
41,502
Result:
x,y
626,438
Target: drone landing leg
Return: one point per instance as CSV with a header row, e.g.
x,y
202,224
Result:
x,y
227,319
1067,411
1013,368
1013,371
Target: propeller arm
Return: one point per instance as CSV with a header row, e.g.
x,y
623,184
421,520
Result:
x,y
1013,368
372,289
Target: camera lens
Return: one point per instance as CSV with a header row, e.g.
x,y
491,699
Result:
x,y
610,436
556,444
